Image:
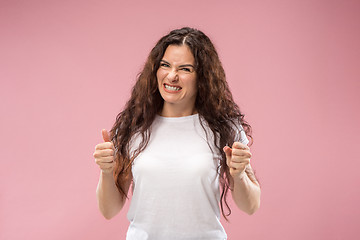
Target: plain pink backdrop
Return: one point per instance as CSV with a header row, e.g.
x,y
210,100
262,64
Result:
x,y
67,68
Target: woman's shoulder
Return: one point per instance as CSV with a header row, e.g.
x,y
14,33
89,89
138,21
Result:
x,y
240,134
236,127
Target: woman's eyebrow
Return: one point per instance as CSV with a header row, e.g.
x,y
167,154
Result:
x,y
183,65
162,60
186,65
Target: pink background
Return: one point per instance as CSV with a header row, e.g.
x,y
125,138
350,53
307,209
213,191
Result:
x,y
66,70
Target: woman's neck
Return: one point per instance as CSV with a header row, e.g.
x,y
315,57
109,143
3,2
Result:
x,y
173,111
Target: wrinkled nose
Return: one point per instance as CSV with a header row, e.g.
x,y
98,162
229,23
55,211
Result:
x,y
173,76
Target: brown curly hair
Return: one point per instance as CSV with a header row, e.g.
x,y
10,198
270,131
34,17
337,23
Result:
x,y
214,103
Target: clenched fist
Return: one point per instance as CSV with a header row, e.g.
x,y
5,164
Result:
x,y
104,154
237,158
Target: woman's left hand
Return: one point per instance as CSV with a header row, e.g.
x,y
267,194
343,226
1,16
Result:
x,y
237,158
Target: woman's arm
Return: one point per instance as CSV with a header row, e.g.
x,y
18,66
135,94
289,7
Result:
x,y
246,191
109,199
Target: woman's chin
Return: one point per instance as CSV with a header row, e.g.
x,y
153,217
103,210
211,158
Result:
x,y
170,99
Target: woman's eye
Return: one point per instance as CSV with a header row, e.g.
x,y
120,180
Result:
x,y
164,65
186,69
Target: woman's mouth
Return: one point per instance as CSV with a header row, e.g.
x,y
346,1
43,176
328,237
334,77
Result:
x,y
172,88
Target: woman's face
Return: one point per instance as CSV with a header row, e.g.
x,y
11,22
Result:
x,y
176,78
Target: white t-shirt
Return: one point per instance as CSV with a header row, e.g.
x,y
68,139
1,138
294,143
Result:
x,y
176,190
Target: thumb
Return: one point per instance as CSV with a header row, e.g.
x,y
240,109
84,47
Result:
x,y
105,135
228,151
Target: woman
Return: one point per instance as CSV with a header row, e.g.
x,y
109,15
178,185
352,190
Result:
x,y
172,141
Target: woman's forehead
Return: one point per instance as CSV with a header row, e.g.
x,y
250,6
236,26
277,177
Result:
x,y
178,54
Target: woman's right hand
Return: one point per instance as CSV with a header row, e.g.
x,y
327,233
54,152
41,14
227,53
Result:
x,y
104,154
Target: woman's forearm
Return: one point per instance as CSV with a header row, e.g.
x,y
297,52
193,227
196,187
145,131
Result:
x,y
108,196
246,193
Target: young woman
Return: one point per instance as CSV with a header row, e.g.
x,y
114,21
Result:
x,y
182,142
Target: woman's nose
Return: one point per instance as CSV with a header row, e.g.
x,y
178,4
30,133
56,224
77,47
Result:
x,y
173,76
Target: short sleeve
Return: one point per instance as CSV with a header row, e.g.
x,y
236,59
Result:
x,y
241,136
134,144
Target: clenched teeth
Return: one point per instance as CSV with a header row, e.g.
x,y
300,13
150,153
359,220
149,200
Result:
x,y
172,88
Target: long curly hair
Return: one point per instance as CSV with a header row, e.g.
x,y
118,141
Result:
x,y
214,103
